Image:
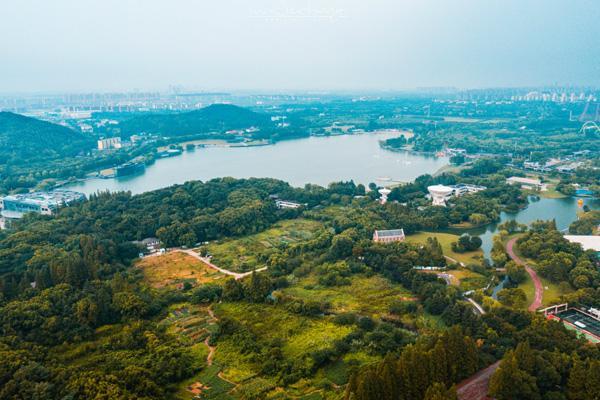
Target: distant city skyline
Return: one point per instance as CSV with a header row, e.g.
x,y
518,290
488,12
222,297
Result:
x,y
296,45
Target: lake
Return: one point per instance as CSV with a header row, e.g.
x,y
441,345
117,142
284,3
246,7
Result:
x,y
319,160
563,211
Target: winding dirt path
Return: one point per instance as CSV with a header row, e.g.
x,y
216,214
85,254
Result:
x,y
539,289
476,387
211,349
236,275
454,260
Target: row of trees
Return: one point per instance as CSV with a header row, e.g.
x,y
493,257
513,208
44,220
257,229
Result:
x,y
425,370
530,374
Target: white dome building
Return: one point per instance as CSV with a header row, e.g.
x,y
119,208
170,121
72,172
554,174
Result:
x,y
439,194
384,192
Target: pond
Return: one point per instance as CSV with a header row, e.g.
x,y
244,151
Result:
x,y
563,211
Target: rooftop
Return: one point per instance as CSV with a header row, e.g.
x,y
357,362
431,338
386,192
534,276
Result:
x,y
528,181
588,242
53,198
439,189
390,232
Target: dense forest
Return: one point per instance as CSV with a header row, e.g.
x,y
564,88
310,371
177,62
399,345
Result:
x,y
542,139
214,118
24,138
79,319
76,320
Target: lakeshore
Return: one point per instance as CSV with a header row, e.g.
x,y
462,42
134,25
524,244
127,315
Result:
x,y
318,160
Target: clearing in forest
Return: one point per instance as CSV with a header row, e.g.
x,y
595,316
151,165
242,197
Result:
x,y
445,240
251,252
365,295
176,268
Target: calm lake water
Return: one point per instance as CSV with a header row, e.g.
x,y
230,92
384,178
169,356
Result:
x,y
319,160
563,211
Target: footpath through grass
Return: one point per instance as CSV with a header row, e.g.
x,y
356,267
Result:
x,y
551,292
175,268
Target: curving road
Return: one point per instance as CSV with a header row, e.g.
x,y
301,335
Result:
x,y
205,260
539,289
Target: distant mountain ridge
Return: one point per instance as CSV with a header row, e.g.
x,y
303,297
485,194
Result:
x,y
214,118
29,138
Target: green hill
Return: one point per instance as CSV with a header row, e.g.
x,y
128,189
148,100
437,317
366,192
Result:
x,y
25,139
214,118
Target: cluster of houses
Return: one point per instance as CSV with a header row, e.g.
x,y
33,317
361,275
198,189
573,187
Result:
x,y
565,165
553,165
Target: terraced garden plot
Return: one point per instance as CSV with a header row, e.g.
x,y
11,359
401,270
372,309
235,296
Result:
x,y
250,252
207,385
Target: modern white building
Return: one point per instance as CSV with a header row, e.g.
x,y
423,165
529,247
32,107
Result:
x,y
439,194
527,183
286,204
389,235
15,206
463,188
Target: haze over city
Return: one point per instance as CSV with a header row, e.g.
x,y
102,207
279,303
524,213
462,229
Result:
x,y
300,199
78,46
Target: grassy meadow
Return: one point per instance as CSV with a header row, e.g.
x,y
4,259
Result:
x,y
171,269
248,253
445,240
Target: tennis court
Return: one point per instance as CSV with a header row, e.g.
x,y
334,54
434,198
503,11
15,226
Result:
x,y
576,318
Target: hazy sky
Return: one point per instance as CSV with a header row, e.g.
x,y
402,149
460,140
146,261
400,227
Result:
x,y
105,45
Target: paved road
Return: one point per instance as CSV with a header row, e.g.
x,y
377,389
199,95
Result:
x,y
477,306
539,289
476,387
462,264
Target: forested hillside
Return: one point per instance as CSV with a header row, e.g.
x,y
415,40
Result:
x,y
216,118
334,313
24,139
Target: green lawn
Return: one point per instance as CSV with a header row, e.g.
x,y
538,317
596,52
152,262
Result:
x,y
467,279
215,388
446,239
552,291
245,254
529,290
